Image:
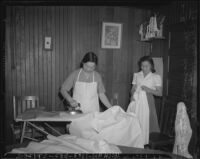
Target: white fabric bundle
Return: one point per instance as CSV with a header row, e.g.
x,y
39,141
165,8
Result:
x,y
183,131
140,108
68,144
114,126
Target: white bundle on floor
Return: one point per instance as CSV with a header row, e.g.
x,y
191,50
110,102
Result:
x,y
114,126
183,131
68,144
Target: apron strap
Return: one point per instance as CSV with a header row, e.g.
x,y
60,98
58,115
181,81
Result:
x,y
93,76
79,75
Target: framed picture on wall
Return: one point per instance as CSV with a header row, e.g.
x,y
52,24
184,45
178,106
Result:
x,y
111,35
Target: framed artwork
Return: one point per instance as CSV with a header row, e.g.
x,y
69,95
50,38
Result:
x,y
111,35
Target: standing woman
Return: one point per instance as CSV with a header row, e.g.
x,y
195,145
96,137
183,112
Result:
x,y
87,86
146,84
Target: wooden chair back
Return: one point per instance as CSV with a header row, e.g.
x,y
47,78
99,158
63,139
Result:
x,y
22,104
165,139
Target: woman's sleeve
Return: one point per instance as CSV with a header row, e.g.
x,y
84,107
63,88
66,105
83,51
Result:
x,y
134,78
158,81
101,88
69,82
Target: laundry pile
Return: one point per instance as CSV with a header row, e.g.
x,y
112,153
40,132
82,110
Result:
x,y
114,126
68,144
97,132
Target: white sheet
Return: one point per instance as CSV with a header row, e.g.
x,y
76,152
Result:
x,y
68,144
114,125
140,108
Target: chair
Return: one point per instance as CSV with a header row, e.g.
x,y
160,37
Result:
x,y
20,106
165,139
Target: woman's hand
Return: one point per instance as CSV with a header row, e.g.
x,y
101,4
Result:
x,y
74,103
77,108
156,92
105,100
133,89
132,98
146,89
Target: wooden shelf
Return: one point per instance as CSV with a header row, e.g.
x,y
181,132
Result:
x,y
151,39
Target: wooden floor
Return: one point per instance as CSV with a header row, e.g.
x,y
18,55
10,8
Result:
x,y
148,153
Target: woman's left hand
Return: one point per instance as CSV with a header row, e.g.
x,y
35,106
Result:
x,y
77,108
146,89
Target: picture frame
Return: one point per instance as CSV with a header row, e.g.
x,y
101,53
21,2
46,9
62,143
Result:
x,y
111,35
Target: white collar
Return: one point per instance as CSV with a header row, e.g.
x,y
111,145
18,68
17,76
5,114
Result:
x,y
148,75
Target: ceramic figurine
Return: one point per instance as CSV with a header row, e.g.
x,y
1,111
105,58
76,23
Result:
x,y
183,131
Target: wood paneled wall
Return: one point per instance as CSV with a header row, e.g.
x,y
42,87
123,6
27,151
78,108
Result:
x,y
177,12
30,70
2,81
180,63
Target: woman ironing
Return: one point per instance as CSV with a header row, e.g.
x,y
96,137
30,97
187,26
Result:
x,y
87,86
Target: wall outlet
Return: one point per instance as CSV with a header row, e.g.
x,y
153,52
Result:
x,y
48,43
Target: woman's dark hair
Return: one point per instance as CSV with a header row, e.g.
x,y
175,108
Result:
x,y
89,57
148,59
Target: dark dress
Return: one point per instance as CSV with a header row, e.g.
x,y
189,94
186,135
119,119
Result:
x,y
153,120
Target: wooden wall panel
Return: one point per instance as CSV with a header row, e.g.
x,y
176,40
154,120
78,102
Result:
x,y
44,59
40,55
35,50
8,73
27,51
53,55
178,82
56,48
31,70
2,81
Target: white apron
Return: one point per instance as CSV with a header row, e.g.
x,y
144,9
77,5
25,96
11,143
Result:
x,y
140,108
86,94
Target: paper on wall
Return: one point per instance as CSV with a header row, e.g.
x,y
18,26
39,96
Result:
x,y
158,64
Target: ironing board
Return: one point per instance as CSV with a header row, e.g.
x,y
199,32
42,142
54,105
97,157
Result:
x,y
45,117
